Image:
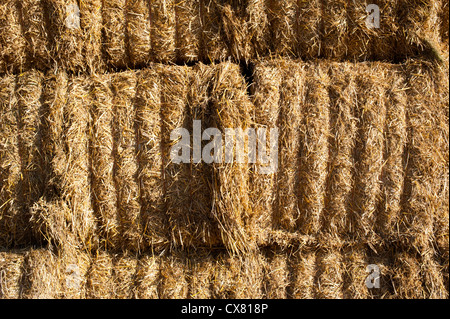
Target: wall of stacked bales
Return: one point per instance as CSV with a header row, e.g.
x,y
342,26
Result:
x,y
93,206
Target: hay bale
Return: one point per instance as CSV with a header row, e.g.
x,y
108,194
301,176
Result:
x,y
406,277
73,268
147,277
34,29
302,269
276,276
231,108
66,33
150,159
163,30
138,31
12,41
126,167
266,96
104,191
100,277
40,277
174,277
444,17
343,131
388,219
291,91
258,28
335,28
188,30
114,32
314,152
214,49
383,259
124,272
10,274
238,277
309,29
11,199
91,24
201,269
329,284
354,263
433,277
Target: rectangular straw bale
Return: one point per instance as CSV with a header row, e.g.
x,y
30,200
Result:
x,y
73,266
288,178
354,263
231,108
124,272
302,268
100,277
174,277
91,24
114,33
12,41
433,277
138,30
258,28
11,198
266,97
66,33
383,259
369,150
329,281
126,166
309,28
40,277
238,277
147,277
34,29
150,159
213,47
102,151
283,19
163,30
343,131
406,277
188,30
276,276
314,134
201,268
11,263
388,220
335,29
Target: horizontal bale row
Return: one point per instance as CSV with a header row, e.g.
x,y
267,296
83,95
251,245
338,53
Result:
x,y
91,35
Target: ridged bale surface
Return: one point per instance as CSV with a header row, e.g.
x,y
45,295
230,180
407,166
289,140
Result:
x,y
147,277
163,30
114,33
100,277
138,30
188,30
309,29
174,277
11,270
201,268
354,274
276,276
329,276
124,272
335,29
214,49
302,268
91,23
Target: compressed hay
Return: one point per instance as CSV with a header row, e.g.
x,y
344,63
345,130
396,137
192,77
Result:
x,y
258,28
12,41
291,90
343,129
395,140
150,160
73,267
406,277
329,276
308,29
11,199
34,29
314,131
126,167
433,277
124,275
91,24
201,268
188,30
444,17
163,30
283,21
147,277
104,192
231,108
213,48
302,268
174,277
266,96
138,30
384,261
100,279
276,276
66,34
238,277
40,277
335,28
10,274
354,260
114,31
371,112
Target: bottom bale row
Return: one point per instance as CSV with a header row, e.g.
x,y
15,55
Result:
x,y
352,272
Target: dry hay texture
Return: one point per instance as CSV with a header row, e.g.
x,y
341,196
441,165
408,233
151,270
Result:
x,y
94,36
93,206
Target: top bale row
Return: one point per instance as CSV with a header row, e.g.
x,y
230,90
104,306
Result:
x,y
95,36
